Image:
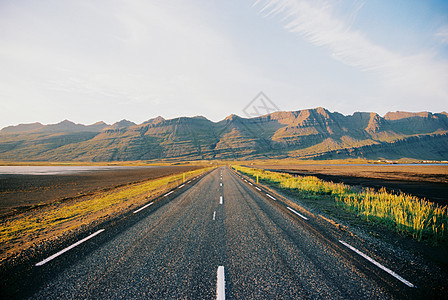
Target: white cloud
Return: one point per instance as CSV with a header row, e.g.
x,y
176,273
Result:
x,y
316,21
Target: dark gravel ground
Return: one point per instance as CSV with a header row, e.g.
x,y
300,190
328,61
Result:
x,y
19,192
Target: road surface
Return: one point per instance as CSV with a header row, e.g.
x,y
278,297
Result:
x,y
218,236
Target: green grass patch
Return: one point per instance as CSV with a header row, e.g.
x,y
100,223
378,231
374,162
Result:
x,y
421,219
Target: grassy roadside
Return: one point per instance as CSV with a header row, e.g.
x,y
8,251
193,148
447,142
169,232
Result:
x,y
418,218
31,228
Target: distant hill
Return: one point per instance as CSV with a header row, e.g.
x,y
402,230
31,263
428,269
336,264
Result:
x,y
311,133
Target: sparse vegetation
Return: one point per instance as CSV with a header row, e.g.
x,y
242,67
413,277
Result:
x,y
421,219
73,215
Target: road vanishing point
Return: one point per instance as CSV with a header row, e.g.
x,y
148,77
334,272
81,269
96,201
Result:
x,y
217,236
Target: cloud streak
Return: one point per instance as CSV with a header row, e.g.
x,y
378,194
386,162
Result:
x,y
317,23
442,35
135,59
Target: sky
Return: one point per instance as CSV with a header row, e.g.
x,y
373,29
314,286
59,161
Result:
x,y
107,60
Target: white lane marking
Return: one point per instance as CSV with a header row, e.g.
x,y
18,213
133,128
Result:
x,y
250,183
142,208
221,284
214,215
189,181
181,186
220,199
378,264
258,188
297,213
168,194
68,248
270,197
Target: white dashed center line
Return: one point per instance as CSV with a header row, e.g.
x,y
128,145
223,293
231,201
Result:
x,y
214,215
221,284
220,200
258,188
181,186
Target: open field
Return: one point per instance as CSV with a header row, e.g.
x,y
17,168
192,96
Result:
x,y
406,172
32,228
424,181
21,192
130,163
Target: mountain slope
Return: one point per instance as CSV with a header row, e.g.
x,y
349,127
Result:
x,y
310,133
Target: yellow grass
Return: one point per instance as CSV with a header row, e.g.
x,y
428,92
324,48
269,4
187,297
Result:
x,y
422,219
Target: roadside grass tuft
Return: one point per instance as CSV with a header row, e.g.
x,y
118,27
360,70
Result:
x,y
419,218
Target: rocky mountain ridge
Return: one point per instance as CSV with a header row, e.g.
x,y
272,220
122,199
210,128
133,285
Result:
x,y
310,133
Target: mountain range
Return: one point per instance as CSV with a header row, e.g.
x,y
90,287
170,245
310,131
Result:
x,y
312,133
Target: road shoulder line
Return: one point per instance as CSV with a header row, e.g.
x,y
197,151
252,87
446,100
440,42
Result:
x,y
68,248
378,264
143,207
297,213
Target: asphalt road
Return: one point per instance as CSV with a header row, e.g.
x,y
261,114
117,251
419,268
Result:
x,y
173,248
